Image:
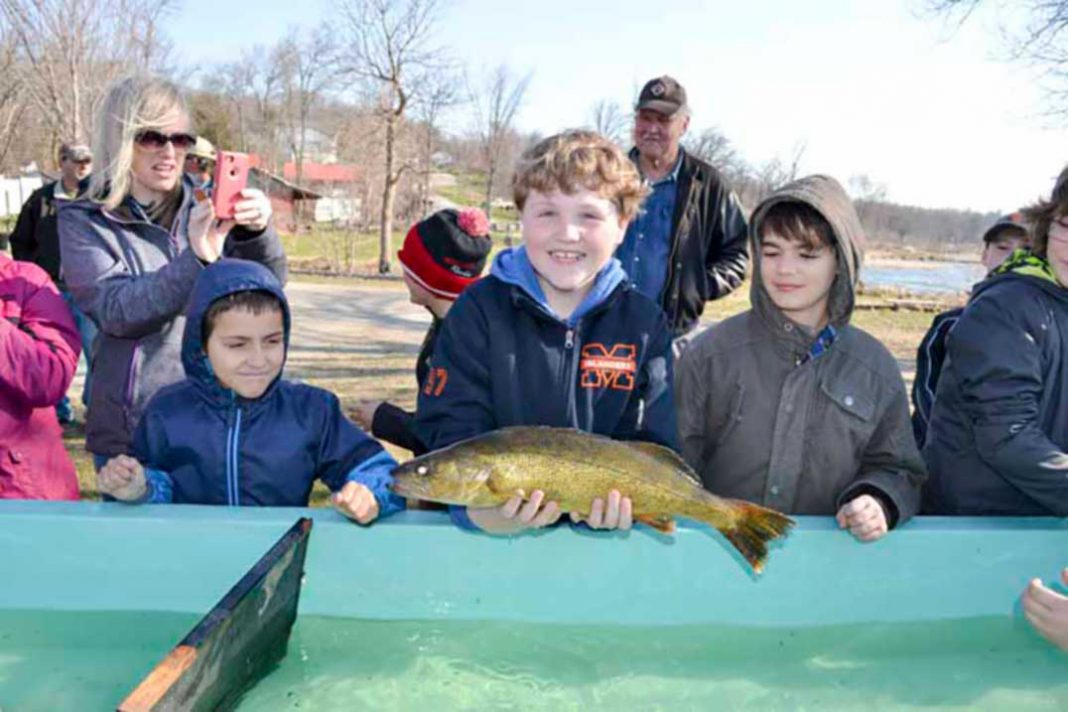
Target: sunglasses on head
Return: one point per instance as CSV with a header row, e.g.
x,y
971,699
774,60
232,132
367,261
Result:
x,y
155,140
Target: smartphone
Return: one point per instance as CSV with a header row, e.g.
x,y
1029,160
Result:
x,y
231,177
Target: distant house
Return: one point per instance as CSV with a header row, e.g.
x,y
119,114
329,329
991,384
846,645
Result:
x,y
15,190
336,187
318,146
339,184
293,207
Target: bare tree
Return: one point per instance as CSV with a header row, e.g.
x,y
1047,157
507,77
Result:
x,y
69,50
1039,39
712,146
441,93
496,106
308,70
388,46
12,99
865,193
611,121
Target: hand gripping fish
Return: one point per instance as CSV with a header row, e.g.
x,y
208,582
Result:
x,y
573,467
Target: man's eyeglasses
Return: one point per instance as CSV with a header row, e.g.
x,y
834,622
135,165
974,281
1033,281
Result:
x,y
154,140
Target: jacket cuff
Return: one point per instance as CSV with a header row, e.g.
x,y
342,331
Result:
x,y
159,488
240,233
375,473
890,509
460,518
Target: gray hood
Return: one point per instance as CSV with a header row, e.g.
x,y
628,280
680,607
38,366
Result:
x,y
827,196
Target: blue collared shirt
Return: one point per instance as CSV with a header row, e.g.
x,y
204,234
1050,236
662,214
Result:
x,y
646,247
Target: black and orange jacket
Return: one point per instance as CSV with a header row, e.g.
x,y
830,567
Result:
x,y
504,358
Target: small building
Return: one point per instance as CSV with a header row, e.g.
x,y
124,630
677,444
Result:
x,y
293,207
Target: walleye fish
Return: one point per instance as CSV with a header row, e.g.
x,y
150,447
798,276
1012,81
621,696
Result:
x,y
573,467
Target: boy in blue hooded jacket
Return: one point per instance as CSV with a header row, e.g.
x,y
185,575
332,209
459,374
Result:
x,y
556,335
234,432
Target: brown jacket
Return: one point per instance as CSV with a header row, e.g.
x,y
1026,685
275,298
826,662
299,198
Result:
x,y
804,438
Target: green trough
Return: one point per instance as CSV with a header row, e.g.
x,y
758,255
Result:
x,y
414,612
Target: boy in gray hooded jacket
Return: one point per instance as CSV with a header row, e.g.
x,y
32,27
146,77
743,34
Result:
x,y
787,404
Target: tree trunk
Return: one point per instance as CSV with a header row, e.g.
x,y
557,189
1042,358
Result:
x,y
385,230
490,174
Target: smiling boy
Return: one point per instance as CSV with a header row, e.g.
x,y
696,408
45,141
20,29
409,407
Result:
x,y
234,432
556,335
787,404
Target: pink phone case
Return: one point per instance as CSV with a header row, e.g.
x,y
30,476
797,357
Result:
x,y
231,177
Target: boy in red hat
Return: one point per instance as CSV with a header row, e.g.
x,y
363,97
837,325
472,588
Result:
x,y
441,256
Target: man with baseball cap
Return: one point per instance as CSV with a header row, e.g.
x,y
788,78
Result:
x,y
1008,234
200,163
36,239
688,245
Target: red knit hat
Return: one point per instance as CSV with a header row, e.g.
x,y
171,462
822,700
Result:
x,y
446,252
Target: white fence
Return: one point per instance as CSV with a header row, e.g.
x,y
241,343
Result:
x,y
16,191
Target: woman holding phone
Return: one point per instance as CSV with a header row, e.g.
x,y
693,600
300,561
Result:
x,y
133,247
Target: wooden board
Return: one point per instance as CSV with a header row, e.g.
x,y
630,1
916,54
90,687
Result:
x,y
241,639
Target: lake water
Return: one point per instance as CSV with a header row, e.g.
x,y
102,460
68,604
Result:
x,y
923,277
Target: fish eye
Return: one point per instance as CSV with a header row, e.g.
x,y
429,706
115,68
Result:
x,y
422,470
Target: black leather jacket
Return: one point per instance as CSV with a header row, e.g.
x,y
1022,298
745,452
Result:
x,y
709,248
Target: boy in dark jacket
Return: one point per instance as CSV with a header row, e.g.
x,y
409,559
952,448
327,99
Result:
x,y
1000,240
442,255
234,432
997,443
556,335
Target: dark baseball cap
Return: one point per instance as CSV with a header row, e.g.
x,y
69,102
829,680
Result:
x,y
663,94
1010,221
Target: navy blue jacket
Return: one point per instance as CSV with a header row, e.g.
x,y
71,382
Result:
x,y
201,443
997,443
503,358
929,359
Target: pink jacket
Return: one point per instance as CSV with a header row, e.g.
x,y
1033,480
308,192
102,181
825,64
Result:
x,y
39,347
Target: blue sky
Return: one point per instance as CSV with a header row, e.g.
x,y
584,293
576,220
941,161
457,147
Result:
x,y
867,87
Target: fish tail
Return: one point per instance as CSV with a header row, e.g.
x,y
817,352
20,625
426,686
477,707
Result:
x,y
749,529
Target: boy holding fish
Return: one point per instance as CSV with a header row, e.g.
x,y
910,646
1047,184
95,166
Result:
x,y
555,335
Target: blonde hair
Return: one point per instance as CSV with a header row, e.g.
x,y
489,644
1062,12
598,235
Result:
x,y
580,159
131,105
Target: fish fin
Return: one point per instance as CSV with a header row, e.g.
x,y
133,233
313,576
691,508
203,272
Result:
x,y
666,456
752,528
661,522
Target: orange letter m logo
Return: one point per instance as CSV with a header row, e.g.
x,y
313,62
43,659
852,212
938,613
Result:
x,y
614,368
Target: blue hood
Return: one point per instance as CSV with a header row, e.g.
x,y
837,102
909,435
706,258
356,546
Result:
x,y
223,277
513,266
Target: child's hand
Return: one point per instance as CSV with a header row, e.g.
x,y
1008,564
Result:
x,y
1048,611
516,515
123,478
356,502
864,517
364,413
614,512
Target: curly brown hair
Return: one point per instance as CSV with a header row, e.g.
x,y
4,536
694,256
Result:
x,y
580,159
1042,214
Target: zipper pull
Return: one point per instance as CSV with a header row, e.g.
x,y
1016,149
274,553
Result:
x,y
569,339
